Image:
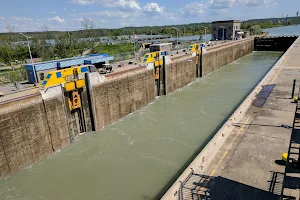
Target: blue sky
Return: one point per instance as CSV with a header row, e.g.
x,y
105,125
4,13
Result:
x,y
33,15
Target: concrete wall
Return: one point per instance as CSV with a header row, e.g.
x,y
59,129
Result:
x,y
56,117
24,133
33,127
180,73
116,98
217,58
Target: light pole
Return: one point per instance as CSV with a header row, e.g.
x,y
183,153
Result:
x,y
223,32
177,33
204,32
33,67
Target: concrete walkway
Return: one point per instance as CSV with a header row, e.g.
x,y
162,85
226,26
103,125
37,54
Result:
x,y
243,160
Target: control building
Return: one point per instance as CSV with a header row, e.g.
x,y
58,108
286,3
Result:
x,y
226,30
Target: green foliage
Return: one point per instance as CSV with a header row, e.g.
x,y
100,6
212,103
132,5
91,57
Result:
x,y
114,49
13,76
255,30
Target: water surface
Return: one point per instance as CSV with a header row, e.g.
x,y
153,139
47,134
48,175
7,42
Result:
x,y
138,156
284,31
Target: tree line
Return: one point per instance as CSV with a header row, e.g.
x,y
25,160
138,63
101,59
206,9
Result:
x,y
54,44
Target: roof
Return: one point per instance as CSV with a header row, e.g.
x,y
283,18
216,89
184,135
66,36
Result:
x,y
226,21
161,44
68,62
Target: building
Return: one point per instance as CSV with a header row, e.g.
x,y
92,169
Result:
x,y
161,47
226,30
42,68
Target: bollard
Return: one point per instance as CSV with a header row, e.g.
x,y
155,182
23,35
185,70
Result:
x,y
164,76
293,90
200,62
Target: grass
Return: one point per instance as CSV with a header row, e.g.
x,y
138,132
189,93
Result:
x,y
114,49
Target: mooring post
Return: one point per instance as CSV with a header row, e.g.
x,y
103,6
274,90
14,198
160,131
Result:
x,y
197,63
200,61
293,91
158,81
164,75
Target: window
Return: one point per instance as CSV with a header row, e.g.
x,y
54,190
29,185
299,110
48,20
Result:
x,y
58,74
44,83
236,27
48,76
84,69
214,28
42,76
162,53
146,56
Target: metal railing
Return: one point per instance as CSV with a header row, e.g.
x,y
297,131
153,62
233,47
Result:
x,y
182,183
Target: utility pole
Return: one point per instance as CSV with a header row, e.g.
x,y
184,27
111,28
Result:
x,y
33,67
177,33
204,32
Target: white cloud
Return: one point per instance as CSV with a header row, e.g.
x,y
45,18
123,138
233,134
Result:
x,y
153,8
223,4
22,19
124,4
57,19
2,18
52,12
121,4
73,10
118,15
193,9
84,2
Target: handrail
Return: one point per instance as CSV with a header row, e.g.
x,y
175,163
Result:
x,y
180,194
289,151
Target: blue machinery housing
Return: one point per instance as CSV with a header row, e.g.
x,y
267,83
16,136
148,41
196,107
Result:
x,y
44,67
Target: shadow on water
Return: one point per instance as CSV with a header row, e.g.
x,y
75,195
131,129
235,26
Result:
x,y
193,156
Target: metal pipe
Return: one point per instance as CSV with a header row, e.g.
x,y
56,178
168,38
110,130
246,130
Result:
x,y
205,33
293,90
164,75
33,67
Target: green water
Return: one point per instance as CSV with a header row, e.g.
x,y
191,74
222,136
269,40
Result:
x,y
138,156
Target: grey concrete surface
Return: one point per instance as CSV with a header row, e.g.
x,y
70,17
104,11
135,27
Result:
x,y
243,160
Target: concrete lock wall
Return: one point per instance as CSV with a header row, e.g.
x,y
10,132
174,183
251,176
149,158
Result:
x,y
180,73
116,98
24,133
37,125
217,58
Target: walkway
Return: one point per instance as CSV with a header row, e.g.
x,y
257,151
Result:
x,y
247,164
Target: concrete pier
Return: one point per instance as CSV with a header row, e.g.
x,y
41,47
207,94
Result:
x,y
243,160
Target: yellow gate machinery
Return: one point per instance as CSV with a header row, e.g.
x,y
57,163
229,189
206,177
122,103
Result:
x,y
72,80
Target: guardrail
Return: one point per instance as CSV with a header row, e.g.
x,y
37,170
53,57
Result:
x,y
182,183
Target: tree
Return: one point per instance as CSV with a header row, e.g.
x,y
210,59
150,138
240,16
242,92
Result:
x,y
6,54
10,28
255,30
89,25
